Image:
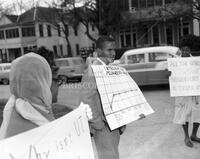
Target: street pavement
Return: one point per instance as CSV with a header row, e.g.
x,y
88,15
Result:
x,y
154,137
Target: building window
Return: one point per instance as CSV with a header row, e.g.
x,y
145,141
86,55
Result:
x,y
49,30
12,33
28,31
128,37
168,1
41,30
150,3
156,35
134,3
134,39
169,34
77,49
26,50
124,4
128,40
55,51
61,50
1,34
146,36
158,2
122,41
59,31
184,29
75,32
143,4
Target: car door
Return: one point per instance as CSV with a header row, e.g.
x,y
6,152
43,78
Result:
x,y
65,68
78,66
156,68
135,65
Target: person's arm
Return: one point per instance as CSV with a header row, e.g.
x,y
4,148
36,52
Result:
x,y
89,95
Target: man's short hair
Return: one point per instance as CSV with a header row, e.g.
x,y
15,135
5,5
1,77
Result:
x,y
101,40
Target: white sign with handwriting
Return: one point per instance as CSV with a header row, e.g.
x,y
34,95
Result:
x,y
121,98
66,137
185,76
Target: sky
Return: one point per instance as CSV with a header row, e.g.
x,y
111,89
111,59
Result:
x,y
28,3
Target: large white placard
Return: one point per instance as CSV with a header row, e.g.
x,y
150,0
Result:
x,y
65,138
121,98
185,76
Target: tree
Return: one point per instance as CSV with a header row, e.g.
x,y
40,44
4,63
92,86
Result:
x,y
192,41
184,9
4,9
109,16
104,14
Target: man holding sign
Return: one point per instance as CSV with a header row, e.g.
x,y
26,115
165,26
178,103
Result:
x,y
106,141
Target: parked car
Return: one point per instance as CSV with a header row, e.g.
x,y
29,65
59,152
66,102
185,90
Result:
x,y
4,73
148,66
70,69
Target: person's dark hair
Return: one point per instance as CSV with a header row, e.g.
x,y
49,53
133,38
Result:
x,y
49,56
185,51
185,55
101,40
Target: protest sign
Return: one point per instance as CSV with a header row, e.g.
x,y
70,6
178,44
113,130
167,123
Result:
x,y
66,137
121,98
185,76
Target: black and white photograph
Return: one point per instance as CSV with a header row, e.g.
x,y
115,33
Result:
x,y
99,79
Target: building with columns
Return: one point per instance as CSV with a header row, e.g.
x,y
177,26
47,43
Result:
x,y
32,29
155,22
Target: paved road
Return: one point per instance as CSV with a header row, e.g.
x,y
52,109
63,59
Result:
x,y
154,137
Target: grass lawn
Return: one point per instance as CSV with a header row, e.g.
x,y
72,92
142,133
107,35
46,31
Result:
x,y
58,110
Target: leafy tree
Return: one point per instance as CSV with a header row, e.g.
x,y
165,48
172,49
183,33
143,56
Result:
x,y
4,9
192,41
104,14
109,16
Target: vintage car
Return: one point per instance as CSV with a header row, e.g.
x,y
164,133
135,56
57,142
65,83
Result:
x,y
70,69
148,66
4,73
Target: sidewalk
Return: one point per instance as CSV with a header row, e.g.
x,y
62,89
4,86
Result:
x,y
154,137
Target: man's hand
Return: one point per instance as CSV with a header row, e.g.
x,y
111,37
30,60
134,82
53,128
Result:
x,y
88,110
142,116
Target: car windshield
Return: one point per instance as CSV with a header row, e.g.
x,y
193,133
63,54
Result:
x,y
78,61
7,67
157,56
62,63
122,59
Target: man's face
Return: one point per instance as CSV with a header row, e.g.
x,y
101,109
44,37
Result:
x,y
108,52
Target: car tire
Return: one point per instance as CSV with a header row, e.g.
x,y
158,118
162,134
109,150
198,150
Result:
x,y
5,81
64,79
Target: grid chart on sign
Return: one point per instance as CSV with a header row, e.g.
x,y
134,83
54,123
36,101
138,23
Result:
x,y
119,97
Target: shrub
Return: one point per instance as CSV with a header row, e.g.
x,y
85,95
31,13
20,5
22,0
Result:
x,y
192,41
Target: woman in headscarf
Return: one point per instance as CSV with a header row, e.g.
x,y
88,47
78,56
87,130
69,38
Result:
x,y
30,103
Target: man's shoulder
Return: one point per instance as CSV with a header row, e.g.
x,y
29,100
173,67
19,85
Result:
x,y
93,61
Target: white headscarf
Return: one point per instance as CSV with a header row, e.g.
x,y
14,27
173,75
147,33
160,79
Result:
x,y
30,82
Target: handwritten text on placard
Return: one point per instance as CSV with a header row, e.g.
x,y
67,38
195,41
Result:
x,y
66,137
